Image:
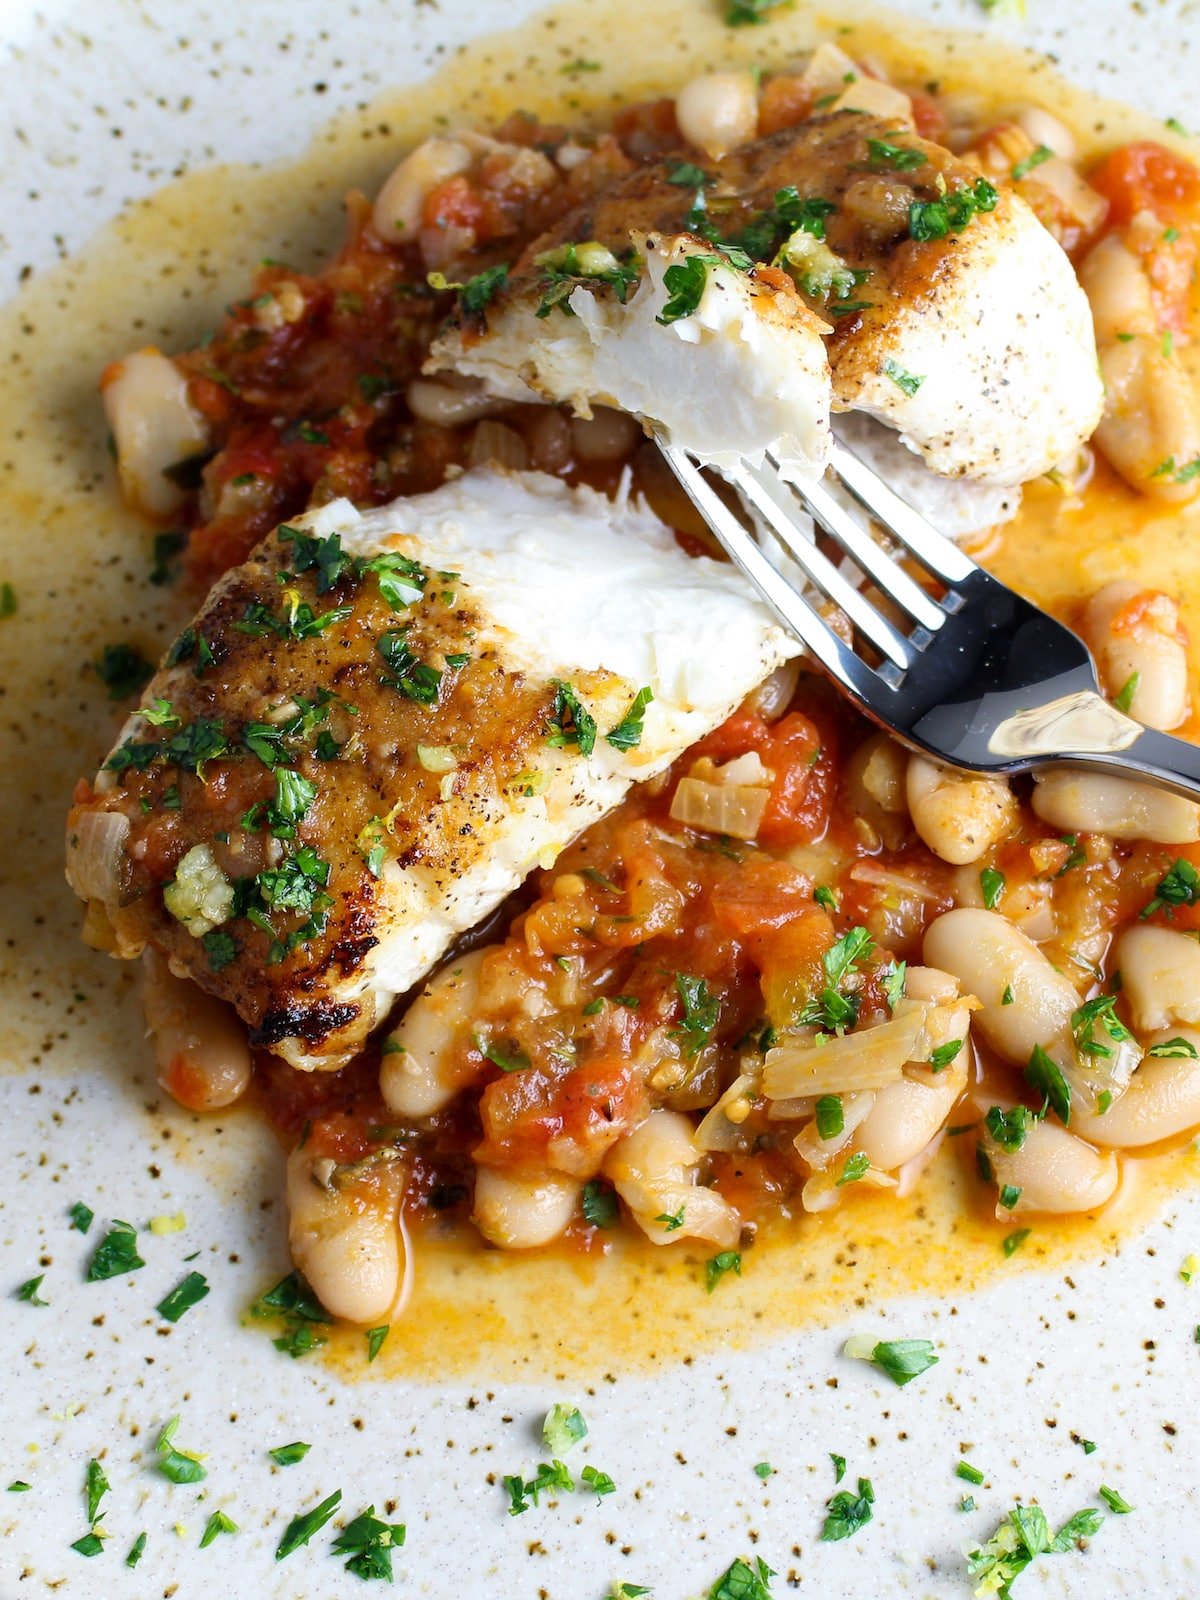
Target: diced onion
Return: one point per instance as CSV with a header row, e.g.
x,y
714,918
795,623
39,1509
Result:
x,y
898,882
1074,193
718,1131
868,1059
96,852
437,757
733,809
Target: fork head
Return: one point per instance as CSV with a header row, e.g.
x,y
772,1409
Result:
x,y
972,674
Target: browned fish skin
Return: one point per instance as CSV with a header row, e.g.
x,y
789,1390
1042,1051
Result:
x,y
488,713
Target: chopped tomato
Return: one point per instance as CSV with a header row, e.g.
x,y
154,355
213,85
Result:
x,y
1145,176
928,116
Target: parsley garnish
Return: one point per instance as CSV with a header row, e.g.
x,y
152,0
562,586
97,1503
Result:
x,y
81,1216
302,1528
8,601
1116,1503
830,1115
123,670
189,748
115,1254
846,1513
96,1486
180,1466
1098,1012
570,721
510,1059
1034,159
562,1428
18,1486
324,556
375,1340
825,897
599,1482
833,1009
1174,1049
701,1012
899,157
941,1058
90,1545
742,1581
991,883
671,1220
401,580
968,1473
855,1167
29,1291
1009,1128
687,175
183,1297
740,14
480,290
839,1467
764,1470
893,983
1123,699
220,947
717,1266
907,381
1046,1077
903,1359
599,1204
685,283
934,219
1009,1195
299,620
219,1522
287,1455
416,679
137,1551
301,1312
1012,1242
369,1543
1021,1539
627,734
1179,887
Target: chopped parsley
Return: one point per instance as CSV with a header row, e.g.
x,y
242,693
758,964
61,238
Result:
x,y
899,157
219,1522
29,1291
1098,1012
908,382
1123,699
1012,1242
81,1216
375,1340
183,1297
599,1204
968,1473
1178,887
825,897
582,262
8,601
741,14
220,947
1009,1195
1174,1049
1045,1077
856,1166
833,1009
189,748
179,1466
324,556
764,1470
562,1428
1116,1503
369,1543
902,1359
687,175
672,1220
1009,1128
287,1455
302,1528
934,219
846,1513
510,1059
894,976
483,288
599,1482
570,722
701,1012
300,1312
717,1267
123,670
115,1254
96,1486
1034,159
991,883
627,734
19,1486
839,1467
1019,1540
830,1116
90,1545
685,283
941,1057
401,580
742,1581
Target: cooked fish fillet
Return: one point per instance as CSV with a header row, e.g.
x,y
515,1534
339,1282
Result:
x,y
976,345
382,722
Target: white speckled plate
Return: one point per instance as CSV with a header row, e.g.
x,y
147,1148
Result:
x,y
101,105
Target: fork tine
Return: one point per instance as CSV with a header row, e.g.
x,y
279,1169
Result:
x,y
885,573
933,550
859,680
776,504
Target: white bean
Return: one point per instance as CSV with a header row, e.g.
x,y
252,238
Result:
x,y
1046,130
606,435
718,112
1160,976
200,1046
1055,1171
907,1114
153,426
959,815
520,1213
1162,1100
654,1169
990,958
416,1072
397,214
346,1235
1090,802
1135,636
450,404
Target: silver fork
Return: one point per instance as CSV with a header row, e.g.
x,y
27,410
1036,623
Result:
x,y
977,677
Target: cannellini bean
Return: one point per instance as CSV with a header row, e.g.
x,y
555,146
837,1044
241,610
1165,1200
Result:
x,y
907,1114
959,815
153,426
774,694
875,787
449,404
520,1213
1162,1100
1160,976
1055,1171
606,435
1045,129
346,1234
654,1171
1134,633
990,958
718,111
493,443
397,213
416,1076
1089,802
1151,423
200,1046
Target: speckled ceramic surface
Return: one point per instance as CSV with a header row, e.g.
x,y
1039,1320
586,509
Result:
x,y
102,105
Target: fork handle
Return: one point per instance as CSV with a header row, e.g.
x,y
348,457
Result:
x,y
1153,757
